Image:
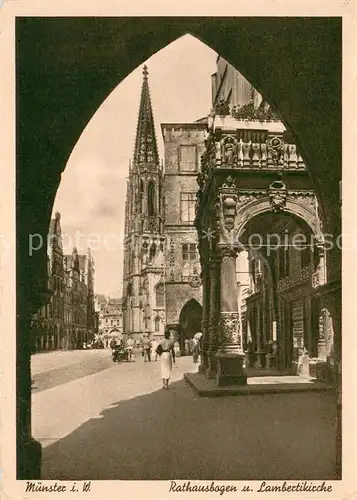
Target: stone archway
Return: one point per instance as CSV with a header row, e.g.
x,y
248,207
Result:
x,y
190,321
293,270
56,116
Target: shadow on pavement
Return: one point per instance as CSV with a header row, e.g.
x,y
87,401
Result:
x,y
173,434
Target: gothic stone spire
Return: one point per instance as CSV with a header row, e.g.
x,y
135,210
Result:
x,y
145,144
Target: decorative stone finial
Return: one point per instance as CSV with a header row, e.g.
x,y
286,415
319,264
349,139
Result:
x,y
145,71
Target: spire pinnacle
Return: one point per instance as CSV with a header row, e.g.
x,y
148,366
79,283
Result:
x,y
145,151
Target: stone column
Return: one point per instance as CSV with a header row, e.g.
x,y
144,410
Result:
x,y
331,300
321,343
214,298
260,351
205,319
29,451
230,356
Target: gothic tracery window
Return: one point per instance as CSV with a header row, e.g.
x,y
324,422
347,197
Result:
x,y
160,298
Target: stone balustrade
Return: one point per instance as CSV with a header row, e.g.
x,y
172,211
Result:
x,y
250,148
304,274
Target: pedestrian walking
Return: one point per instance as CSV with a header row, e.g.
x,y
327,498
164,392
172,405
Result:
x,y
195,351
177,349
130,347
166,351
147,349
187,347
154,345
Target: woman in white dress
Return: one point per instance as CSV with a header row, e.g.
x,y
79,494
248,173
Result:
x,y
166,351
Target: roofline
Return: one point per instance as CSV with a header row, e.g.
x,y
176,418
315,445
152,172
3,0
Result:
x,y
189,125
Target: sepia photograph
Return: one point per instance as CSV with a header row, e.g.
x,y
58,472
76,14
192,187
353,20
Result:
x,y
179,252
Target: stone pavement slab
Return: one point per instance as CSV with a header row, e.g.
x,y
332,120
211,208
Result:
x,y
205,387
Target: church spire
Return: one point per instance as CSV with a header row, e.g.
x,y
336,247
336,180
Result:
x,y
145,144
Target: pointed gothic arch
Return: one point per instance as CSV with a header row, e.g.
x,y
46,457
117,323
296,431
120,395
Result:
x,y
320,137
190,320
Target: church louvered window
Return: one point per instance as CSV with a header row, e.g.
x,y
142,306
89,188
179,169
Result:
x,y
151,199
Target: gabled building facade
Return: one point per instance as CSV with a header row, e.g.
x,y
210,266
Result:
x,y
68,319
110,316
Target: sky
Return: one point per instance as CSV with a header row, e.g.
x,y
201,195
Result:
x,y
91,195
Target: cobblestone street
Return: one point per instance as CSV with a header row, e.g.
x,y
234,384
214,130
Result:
x,y
118,423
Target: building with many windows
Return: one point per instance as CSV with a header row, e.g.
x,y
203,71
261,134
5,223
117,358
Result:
x,y
68,319
184,145
110,315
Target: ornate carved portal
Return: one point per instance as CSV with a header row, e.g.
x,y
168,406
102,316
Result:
x,y
230,204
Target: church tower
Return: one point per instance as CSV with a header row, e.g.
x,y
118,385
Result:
x,y
143,274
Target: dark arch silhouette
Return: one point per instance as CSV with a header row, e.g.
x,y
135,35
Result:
x,y
190,320
104,51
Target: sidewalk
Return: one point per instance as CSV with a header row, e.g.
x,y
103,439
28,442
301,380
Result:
x,y
46,361
120,425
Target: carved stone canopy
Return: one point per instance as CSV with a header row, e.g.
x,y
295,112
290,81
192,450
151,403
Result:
x,y
277,195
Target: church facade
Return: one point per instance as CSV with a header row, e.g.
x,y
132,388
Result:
x,y
144,241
